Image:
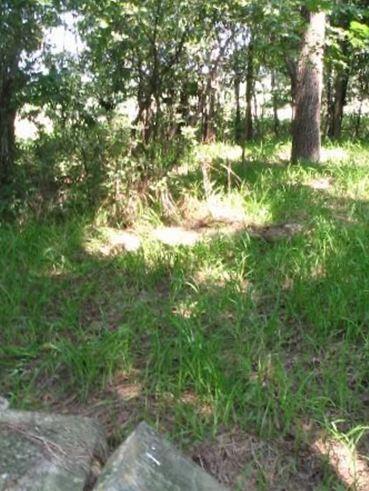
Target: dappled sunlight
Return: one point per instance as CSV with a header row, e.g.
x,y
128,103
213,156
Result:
x,y
359,189
212,275
221,151
120,241
185,308
226,310
112,241
222,211
127,391
322,184
204,220
351,467
318,271
282,153
125,386
335,154
184,227
56,272
216,208
180,236
217,215
175,236
118,238
189,398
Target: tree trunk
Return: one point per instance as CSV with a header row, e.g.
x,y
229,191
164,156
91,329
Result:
x,y
359,118
329,99
7,139
237,123
306,139
256,122
143,118
183,109
342,75
338,103
208,133
211,135
249,130
276,122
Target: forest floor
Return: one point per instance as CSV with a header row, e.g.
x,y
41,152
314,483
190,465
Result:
x,y
238,325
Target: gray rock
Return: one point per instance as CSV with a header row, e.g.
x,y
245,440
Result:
x,y
48,452
146,462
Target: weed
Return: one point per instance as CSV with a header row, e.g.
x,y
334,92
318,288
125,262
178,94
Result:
x,y
242,328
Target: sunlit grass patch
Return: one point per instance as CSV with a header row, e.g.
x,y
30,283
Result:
x,y
340,450
221,151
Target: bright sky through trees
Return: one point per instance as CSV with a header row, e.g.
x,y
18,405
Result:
x,y
65,37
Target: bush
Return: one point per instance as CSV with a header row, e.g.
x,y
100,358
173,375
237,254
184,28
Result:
x,y
90,168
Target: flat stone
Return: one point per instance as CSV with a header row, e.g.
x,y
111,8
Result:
x,y
147,462
48,452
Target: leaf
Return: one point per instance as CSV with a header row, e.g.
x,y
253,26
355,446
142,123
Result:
x,y
360,30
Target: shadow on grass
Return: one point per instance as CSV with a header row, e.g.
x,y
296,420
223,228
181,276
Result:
x,y
235,332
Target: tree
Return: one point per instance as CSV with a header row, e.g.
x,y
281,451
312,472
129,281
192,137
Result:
x,y
21,34
306,138
138,49
339,54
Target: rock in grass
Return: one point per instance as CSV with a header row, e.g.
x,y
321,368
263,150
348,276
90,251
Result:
x,y
47,452
147,462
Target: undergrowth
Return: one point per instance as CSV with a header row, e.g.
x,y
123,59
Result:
x,y
243,329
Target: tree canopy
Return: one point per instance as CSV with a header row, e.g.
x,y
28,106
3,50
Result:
x,y
213,70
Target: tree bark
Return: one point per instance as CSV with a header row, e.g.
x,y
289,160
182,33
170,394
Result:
x,y
359,118
7,144
329,99
9,83
338,103
208,134
342,75
249,129
237,123
7,131
306,138
276,122
184,108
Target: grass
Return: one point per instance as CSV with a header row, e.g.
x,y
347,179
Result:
x,y
242,331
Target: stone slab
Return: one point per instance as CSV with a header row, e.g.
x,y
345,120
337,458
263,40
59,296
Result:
x,y
48,452
147,462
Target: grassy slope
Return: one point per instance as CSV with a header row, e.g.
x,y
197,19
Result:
x,y
238,331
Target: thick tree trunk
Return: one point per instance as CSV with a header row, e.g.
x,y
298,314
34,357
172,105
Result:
x,y
7,140
337,105
249,129
306,140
